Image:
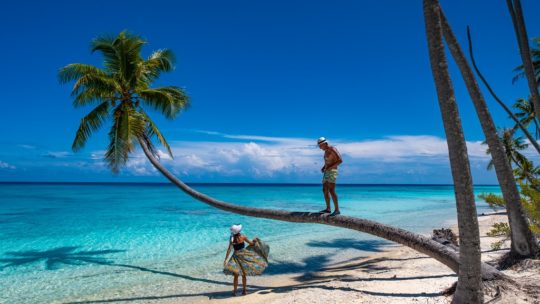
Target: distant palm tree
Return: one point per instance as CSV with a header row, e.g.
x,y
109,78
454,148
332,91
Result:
x,y
527,171
526,114
120,90
535,52
512,147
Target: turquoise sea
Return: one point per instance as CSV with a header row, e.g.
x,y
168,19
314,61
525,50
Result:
x,y
101,243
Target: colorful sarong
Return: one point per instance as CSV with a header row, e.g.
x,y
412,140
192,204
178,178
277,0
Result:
x,y
249,261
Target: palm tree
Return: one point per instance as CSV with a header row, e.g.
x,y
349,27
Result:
x,y
525,169
512,147
123,87
469,286
516,13
535,52
526,114
524,243
119,91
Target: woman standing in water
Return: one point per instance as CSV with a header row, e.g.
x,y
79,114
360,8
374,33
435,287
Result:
x,y
245,261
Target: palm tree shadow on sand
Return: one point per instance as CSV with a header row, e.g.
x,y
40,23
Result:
x,y
308,269
55,258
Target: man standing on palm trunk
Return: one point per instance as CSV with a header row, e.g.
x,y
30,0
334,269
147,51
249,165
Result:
x,y
332,159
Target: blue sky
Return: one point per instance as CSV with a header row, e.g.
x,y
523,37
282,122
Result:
x,y
265,79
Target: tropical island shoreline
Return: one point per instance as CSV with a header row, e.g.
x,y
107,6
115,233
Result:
x,y
397,274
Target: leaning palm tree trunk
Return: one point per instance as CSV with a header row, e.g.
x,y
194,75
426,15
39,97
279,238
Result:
x,y
441,253
514,7
524,243
469,286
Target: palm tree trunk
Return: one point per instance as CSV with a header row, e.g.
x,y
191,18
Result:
x,y
514,7
420,243
469,287
524,243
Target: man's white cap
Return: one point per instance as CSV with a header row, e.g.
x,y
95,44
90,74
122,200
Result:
x,y
321,140
236,228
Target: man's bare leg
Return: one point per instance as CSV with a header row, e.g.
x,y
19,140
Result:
x,y
326,195
332,191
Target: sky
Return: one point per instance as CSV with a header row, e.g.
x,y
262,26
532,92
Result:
x,y
266,79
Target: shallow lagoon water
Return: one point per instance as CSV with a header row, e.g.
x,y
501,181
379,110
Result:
x,y
63,243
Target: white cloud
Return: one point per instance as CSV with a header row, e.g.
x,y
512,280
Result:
x,y
139,166
58,154
403,148
4,165
404,158
30,147
278,158
259,138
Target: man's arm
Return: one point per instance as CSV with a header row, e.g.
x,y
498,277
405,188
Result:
x,y
227,255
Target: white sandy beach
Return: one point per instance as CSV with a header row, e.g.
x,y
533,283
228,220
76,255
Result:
x,y
396,275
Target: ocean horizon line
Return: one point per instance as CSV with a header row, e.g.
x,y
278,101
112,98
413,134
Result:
x,y
214,183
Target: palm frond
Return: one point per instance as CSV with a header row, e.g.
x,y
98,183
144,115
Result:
x,y
128,126
74,71
168,100
104,44
119,147
100,85
152,129
90,123
490,165
128,48
90,96
160,61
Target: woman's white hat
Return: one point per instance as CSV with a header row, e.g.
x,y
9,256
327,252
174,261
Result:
x,y
236,229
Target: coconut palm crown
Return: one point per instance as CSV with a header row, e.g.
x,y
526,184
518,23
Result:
x,y
535,52
119,90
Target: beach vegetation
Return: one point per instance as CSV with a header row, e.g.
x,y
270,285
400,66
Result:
x,y
500,229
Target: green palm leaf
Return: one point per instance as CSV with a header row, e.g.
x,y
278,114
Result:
x,y
104,44
128,126
160,61
74,71
152,130
90,123
168,100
